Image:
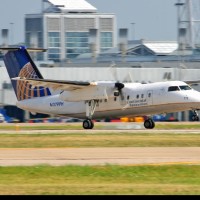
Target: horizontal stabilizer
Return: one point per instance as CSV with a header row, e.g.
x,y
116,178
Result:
x,y
22,47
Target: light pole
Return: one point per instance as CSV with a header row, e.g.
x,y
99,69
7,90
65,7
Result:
x,y
12,32
133,30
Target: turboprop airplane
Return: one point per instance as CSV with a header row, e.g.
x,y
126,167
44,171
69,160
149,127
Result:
x,y
95,100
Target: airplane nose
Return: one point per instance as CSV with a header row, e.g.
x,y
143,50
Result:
x,y
194,98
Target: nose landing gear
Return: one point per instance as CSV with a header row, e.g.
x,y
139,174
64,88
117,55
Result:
x,y
195,116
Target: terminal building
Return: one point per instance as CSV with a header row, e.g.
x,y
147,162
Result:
x,y
85,45
68,28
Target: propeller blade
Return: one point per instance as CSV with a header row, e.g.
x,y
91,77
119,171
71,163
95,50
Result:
x,y
128,78
113,71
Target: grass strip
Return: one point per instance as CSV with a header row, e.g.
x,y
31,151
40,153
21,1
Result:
x,y
98,140
109,179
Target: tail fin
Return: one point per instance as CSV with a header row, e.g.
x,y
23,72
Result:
x,y
19,64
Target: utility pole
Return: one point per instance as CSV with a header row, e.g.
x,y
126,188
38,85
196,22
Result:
x,y
133,30
12,33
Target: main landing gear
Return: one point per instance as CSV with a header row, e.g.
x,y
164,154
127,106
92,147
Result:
x,y
195,116
88,124
149,123
90,108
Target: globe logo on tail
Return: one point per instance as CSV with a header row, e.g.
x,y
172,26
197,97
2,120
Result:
x,y
26,90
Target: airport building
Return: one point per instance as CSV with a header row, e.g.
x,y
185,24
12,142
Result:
x,y
68,28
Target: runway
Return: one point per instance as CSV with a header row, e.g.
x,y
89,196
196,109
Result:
x,y
100,156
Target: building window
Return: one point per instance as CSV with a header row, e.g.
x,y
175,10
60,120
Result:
x,y
76,43
40,39
28,39
40,56
54,46
106,41
54,39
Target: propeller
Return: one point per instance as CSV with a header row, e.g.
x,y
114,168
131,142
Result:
x,y
127,79
118,92
118,85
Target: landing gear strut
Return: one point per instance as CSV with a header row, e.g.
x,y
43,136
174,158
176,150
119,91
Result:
x,y
90,108
195,116
149,123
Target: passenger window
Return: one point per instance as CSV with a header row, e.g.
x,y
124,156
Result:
x,y
173,88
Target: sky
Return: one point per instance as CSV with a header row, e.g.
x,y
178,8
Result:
x,y
144,19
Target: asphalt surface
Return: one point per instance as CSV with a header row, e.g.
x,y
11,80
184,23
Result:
x,y
100,156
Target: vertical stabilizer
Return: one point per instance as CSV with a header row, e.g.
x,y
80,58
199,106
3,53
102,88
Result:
x,y
19,64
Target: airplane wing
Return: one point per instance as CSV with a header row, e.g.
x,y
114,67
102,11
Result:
x,y
56,84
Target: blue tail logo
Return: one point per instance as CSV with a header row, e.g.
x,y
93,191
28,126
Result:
x,y
19,64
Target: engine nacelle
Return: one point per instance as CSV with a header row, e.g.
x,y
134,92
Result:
x,y
84,94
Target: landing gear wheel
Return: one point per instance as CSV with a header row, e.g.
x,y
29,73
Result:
x,y
149,124
195,118
88,124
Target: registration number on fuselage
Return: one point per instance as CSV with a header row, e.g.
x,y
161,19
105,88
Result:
x,y
57,104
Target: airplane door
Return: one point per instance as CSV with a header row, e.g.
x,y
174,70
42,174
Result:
x,y
150,97
123,99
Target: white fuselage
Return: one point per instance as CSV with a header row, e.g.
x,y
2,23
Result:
x,y
138,100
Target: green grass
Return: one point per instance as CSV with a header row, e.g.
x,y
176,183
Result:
x,y
99,180
110,179
179,125
98,140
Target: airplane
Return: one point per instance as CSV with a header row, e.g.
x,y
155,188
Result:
x,y
95,100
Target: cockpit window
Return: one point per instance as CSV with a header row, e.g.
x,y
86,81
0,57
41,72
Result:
x,y
173,88
185,87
